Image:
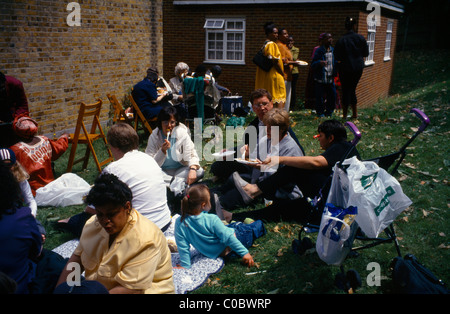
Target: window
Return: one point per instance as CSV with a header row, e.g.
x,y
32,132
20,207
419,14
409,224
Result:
x,y
225,40
387,48
372,29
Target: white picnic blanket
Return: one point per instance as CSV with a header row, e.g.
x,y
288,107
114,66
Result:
x,y
185,280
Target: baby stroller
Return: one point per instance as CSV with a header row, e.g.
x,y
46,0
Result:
x,y
350,281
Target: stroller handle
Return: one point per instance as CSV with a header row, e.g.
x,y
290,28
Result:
x,y
355,131
422,116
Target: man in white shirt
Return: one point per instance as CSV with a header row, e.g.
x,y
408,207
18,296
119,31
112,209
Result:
x,y
142,175
140,172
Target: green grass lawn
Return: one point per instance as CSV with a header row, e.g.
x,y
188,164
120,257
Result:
x,y
420,81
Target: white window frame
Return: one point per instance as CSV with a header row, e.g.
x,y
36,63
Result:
x,y
387,48
221,47
371,34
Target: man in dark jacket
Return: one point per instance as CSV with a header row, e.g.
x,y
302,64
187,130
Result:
x,y
350,52
324,72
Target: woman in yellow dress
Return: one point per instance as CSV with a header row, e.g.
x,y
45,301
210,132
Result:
x,y
273,80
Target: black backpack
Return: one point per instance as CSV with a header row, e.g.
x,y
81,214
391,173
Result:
x,y
411,277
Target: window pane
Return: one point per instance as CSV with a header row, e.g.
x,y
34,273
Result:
x,y
225,44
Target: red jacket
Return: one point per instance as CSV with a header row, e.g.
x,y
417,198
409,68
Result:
x,y
37,159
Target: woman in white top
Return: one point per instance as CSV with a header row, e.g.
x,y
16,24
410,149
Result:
x,y
171,146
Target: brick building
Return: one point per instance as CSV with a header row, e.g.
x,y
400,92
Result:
x,y
230,32
61,65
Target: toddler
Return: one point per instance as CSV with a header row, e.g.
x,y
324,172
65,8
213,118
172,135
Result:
x,y
206,232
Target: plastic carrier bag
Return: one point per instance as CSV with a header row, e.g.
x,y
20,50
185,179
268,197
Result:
x,y
68,189
337,227
377,195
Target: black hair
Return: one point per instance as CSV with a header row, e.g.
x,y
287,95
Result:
x,y
333,127
200,70
349,22
216,71
268,27
10,192
164,115
152,76
109,190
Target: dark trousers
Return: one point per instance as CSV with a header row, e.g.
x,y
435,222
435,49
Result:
x,y
293,91
325,98
349,82
310,182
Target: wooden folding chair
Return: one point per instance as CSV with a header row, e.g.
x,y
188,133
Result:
x,y
82,136
119,113
139,116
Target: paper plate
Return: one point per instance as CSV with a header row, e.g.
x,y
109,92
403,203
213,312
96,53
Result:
x,y
303,63
222,155
247,162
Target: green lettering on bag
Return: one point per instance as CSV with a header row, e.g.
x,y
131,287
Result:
x,y
366,181
384,201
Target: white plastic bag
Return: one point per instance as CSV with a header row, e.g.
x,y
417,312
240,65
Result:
x,y
337,227
68,189
377,195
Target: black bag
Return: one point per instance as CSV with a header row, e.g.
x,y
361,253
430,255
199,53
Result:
x,y
262,61
411,277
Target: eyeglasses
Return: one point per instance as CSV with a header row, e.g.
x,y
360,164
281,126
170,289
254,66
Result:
x,y
261,104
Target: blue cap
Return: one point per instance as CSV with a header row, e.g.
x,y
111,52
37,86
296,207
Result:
x,y
7,154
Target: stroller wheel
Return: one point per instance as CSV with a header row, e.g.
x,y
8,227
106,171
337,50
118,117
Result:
x,y
307,243
300,247
354,279
341,281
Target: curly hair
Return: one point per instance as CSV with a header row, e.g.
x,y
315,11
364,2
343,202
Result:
x,y
109,190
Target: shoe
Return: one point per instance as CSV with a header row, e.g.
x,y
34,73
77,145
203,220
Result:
x,y
240,183
248,221
218,207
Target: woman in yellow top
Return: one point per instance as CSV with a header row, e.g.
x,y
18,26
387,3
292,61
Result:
x,y
120,248
273,80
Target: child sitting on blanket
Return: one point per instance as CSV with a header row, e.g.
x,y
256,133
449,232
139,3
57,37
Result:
x,y
206,232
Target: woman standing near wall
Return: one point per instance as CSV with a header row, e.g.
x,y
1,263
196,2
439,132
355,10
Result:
x,y
272,80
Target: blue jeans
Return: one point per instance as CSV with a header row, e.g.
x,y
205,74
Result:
x,y
325,92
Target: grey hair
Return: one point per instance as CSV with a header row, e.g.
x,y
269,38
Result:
x,y
181,66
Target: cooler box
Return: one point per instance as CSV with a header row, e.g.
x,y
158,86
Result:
x,y
230,103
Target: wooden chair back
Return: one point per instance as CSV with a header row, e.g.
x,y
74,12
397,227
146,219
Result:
x,y
84,136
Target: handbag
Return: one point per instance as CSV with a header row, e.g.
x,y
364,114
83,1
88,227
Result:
x,y
262,61
411,277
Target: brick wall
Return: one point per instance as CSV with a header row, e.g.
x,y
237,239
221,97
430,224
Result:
x,y
376,81
184,40
61,66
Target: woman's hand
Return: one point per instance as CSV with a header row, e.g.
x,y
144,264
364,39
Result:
x,y
192,176
165,146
